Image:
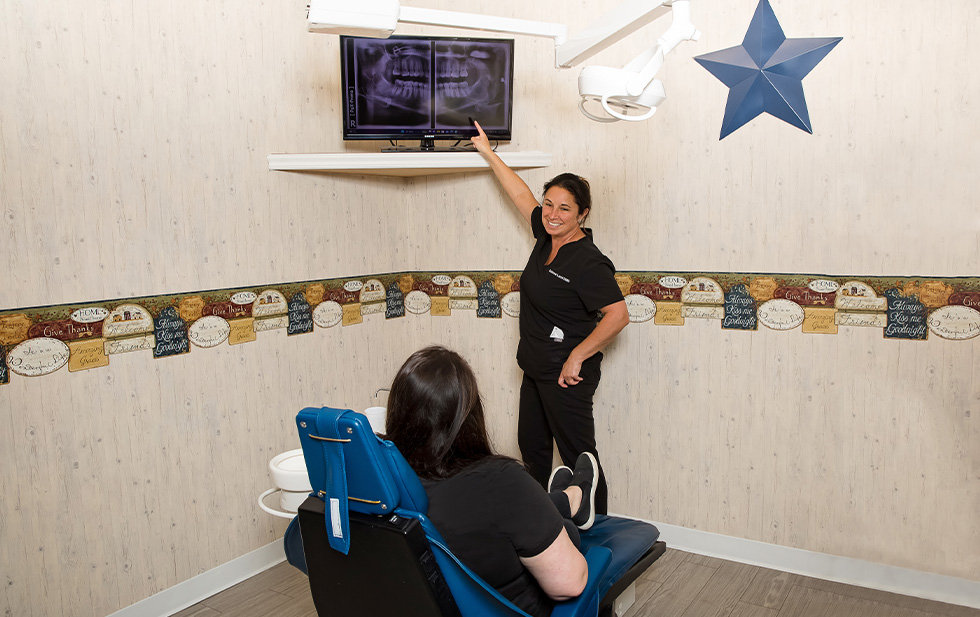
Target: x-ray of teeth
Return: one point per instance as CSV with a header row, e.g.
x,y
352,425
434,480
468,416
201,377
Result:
x,y
469,84
407,85
394,83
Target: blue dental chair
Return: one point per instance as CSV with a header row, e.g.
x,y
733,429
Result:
x,y
368,547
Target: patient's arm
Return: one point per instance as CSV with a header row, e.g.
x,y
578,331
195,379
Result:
x,y
560,569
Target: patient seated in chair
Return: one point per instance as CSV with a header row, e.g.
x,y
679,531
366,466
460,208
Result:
x,y
494,516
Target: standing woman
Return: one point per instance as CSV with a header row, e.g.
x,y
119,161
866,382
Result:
x,y
566,284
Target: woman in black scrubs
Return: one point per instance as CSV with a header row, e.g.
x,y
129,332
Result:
x,y
565,286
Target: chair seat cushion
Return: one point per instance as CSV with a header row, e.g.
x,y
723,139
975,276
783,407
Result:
x,y
628,540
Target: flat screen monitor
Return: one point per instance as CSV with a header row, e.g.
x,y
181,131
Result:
x,y
426,88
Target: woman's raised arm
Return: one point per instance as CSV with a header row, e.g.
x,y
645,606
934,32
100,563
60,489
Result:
x,y
518,191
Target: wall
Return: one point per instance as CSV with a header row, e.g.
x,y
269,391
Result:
x,y
132,162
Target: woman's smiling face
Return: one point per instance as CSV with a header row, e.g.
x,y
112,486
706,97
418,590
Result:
x,y
560,213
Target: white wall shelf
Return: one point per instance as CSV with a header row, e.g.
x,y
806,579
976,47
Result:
x,y
403,164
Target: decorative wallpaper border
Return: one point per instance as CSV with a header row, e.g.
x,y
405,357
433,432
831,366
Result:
x,y
41,340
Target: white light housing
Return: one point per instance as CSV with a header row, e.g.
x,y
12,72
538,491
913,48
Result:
x,y
607,86
371,18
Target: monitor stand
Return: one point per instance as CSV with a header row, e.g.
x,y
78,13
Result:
x,y
428,145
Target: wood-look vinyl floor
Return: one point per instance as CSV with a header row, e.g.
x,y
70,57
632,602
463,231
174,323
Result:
x,y
678,584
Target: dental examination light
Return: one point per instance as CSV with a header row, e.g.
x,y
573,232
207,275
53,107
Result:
x,y
619,91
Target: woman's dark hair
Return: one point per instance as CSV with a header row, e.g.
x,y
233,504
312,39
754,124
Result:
x,y
577,186
435,415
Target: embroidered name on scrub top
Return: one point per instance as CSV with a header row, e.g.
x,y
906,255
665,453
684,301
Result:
x,y
559,276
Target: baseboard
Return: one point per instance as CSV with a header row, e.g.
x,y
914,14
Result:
x,y
797,561
205,585
823,566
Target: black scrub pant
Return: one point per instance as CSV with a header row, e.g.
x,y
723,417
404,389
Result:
x,y
548,411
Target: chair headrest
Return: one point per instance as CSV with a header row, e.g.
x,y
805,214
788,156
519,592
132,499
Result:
x,y
379,480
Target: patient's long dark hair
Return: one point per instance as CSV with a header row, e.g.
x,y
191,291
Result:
x,y
435,415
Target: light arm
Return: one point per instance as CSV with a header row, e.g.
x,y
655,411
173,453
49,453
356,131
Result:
x,y
489,23
609,29
681,29
380,18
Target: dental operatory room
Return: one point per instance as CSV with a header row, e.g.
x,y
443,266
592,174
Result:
x,y
490,309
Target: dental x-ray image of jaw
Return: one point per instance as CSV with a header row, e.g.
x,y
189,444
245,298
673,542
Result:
x,y
395,84
469,83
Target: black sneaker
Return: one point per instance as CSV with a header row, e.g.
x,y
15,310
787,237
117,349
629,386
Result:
x,y
586,477
561,478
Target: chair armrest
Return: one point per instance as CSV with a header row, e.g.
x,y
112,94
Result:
x,y
587,604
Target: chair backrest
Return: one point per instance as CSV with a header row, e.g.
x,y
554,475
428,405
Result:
x,y
345,459
377,477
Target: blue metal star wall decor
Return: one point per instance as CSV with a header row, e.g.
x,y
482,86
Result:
x,y
765,73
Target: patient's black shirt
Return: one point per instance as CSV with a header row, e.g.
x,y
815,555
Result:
x,y
491,514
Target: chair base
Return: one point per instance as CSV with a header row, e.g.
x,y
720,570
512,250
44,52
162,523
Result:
x,y
404,579
607,604
625,601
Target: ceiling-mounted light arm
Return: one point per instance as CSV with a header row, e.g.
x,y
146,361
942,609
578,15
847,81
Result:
x,y
380,18
648,64
472,21
609,29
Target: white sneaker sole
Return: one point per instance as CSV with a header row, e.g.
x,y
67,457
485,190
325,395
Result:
x,y
595,482
554,472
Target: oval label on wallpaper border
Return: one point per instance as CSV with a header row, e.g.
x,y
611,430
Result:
x,y
955,322
781,314
672,282
442,280
417,302
511,303
640,308
353,286
89,314
328,314
824,286
209,331
244,297
38,356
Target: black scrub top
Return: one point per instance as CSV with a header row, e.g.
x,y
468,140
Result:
x,y
560,301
